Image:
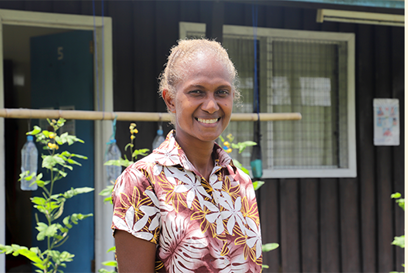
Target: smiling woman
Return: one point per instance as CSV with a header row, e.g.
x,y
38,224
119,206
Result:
x,y
186,207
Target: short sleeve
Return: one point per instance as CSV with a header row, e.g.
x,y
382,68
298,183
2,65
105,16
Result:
x,y
135,205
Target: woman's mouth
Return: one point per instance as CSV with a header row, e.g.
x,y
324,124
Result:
x,y
208,121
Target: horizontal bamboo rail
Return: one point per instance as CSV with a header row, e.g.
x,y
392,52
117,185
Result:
x,y
129,116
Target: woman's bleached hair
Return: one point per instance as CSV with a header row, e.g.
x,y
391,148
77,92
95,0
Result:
x,y
184,53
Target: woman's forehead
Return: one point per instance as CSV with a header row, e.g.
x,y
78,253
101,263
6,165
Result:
x,y
205,64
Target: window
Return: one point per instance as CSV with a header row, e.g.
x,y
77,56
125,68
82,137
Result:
x,y
298,71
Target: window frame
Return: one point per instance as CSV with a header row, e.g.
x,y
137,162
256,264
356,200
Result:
x,y
188,28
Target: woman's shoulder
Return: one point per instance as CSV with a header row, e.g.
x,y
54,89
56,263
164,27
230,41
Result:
x,y
243,177
145,162
136,174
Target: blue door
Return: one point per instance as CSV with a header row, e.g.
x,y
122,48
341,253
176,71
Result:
x,y
62,76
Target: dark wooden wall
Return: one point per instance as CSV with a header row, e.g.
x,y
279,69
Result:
x,y
322,225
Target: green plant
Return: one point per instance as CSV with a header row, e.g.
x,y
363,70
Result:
x,y
399,240
51,204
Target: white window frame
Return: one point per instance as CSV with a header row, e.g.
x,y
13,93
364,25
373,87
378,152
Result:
x,y
103,213
187,28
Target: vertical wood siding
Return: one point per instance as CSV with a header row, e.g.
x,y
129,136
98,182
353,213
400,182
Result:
x,y
322,225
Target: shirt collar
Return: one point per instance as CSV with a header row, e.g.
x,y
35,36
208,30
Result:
x,y
169,153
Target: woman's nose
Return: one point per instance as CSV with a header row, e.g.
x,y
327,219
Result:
x,y
210,105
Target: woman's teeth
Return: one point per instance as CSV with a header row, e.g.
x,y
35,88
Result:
x,y
208,120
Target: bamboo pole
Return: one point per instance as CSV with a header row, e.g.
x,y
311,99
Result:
x,y
128,116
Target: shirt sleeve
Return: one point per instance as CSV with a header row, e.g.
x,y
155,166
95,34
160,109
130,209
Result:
x,y
136,206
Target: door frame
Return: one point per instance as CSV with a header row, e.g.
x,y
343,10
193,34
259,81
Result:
x,y
103,28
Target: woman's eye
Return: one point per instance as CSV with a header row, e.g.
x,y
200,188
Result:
x,y
195,92
223,92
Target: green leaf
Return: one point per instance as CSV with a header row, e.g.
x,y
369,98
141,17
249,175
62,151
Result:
x,y
265,266
111,249
38,200
239,166
59,258
50,206
242,145
269,247
41,209
46,133
46,231
24,174
71,161
63,230
401,203
6,249
257,184
78,216
66,138
59,212
142,152
32,256
66,256
49,161
58,140
72,192
61,122
119,162
35,131
399,241
108,199
68,154
107,191
40,183
66,221
110,263
396,195
62,173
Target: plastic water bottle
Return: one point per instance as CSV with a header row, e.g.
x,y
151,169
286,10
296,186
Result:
x,y
29,162
113,153
158,139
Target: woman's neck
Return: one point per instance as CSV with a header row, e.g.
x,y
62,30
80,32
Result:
x,y
200,155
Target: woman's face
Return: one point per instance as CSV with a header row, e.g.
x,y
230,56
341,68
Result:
x,y
203,100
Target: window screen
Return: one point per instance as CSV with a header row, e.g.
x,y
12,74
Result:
x,y
295,76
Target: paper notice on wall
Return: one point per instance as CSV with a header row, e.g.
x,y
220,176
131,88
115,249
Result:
x,y
386,122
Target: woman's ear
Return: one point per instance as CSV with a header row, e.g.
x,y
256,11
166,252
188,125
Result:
x,y
169,100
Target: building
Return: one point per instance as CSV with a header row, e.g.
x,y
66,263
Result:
x,y
335,216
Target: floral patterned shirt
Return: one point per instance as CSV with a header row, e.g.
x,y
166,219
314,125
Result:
x,y
198,225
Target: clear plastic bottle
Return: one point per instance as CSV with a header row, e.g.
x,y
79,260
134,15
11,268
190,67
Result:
x,y
113,153
158,139
29,162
